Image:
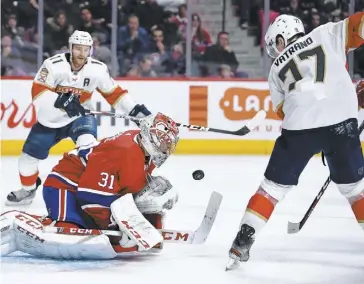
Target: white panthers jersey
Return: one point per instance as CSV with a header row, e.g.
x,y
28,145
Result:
x,y
309,81
56,75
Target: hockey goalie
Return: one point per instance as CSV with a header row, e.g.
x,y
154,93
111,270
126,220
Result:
x,y
105,186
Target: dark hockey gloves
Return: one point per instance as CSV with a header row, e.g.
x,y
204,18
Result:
x,y
70,103
139,111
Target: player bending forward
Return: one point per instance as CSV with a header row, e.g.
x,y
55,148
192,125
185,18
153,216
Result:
x,y
104,186
313,93
61,91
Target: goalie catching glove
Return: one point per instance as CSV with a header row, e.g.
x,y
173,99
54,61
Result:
x,y
157,196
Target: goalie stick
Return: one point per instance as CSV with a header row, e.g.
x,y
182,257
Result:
x,y
296,227
253,123
196,237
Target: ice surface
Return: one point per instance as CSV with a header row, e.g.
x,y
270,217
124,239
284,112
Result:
x,y
329,249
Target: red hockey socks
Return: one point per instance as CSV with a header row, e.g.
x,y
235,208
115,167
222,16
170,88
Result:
x,y
29,182
258,211
358,209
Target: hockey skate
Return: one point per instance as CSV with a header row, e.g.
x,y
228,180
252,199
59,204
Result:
x,y
22,196
240,248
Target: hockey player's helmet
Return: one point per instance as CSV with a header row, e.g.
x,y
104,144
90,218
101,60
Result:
x,y
285,26
80,37
159,137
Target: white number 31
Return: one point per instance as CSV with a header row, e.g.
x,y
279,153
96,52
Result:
x,y
106,179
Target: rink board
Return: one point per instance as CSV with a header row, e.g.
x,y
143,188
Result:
x,y
218,104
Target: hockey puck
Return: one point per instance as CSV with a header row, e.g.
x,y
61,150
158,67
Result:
x,y
198,175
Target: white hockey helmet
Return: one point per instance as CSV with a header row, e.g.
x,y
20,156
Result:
x,y
81,37
159,137
287,27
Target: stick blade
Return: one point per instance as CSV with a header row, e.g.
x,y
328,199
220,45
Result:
x,y
252,124
293,228
257,119
204,229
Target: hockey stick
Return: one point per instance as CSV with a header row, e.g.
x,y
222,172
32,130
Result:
x,y
296,227
196,237
253,123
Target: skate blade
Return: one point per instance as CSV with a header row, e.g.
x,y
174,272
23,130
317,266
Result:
x,y
20,203
233,263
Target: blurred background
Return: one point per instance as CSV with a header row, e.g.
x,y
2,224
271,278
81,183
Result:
x,y
160,38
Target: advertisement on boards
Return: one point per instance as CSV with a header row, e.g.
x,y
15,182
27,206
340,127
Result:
x,y
219,104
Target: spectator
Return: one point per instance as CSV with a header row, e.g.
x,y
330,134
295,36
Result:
x,y
225,72
315,22
181,18
101,12
175,26
220,53
10,58
71,8
88,24
295,9
132,41
159,54
201,39
144,70
58,30
149,13
178,60
103,53
16,33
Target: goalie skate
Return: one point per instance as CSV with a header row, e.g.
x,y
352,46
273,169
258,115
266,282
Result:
x,y
239,251
22,196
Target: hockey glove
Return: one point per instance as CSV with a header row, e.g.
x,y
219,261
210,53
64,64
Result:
x,y
70,103
139,111
157,196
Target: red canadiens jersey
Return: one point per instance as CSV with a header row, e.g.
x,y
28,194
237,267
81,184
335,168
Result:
x,y
101,174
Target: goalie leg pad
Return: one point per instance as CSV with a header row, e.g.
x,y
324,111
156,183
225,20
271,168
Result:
x,y
157,220
32,240
61,206
8,242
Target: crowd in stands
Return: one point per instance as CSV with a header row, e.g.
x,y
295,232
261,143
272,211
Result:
x,y
151,37
312,12
151,34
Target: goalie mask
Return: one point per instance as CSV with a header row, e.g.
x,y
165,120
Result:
x,y
159,137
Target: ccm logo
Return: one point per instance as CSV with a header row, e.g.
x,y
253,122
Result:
x,y
31,235
78,231
136,235
29,221
175,236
